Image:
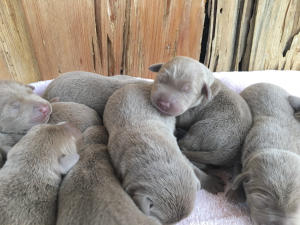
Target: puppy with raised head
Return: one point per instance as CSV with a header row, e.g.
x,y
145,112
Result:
x,y
271,158
31,176
91,193
79,115
20,110
215,117
147,159
87,88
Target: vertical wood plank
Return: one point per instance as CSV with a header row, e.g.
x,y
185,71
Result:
x,y
64,35
17,58
275,23
110,19
160,31
223,35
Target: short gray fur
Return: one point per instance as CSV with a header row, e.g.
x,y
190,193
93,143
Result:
x,y
271,158
91,193
87,88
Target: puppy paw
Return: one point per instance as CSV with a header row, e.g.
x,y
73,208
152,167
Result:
x,y
213,184
236,196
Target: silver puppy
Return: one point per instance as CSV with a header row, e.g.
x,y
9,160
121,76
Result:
x,y
271,158
20,109
215,117
87,88
31,176
147,159
91,193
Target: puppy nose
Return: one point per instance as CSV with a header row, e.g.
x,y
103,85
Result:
x,y
164,105
44,108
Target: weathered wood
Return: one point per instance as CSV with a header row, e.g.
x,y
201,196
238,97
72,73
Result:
x,y
64,36
242,32
275,23
160,31
110,19
224,18
292,59
17,58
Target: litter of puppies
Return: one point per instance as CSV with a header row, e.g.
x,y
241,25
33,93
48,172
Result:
x,y
103,150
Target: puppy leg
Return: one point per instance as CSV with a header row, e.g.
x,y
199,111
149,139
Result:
x,y
218,157
238,195
210,183
210,142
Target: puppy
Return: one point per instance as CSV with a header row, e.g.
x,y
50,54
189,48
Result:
x,y
91,193
31,176
87,88
78,114
215,117
271,157
20,109
147,159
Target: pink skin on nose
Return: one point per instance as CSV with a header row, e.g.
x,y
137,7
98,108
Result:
x,y
163,105
45,109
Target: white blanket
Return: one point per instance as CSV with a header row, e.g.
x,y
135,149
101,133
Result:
x,y
215,209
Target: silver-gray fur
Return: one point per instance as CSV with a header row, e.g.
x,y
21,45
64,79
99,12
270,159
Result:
x,y
20,109
78,114
31,176
95,135
215,117
271,157
91,193
295,103
146,156
87,88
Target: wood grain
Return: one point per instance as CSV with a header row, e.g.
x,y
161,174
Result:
x,y
17,58
224,25
161,30
275,23
64,35
110,19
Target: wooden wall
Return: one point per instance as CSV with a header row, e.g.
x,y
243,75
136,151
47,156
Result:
x,y
41,39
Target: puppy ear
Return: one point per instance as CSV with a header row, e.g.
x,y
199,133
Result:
x,y
30,86
143,202
56,99
67,162
243,177
206,91
295,102
155,67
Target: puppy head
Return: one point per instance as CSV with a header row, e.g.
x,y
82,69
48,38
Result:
x,y
272,185
180,84
20,108
168,197
52,147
